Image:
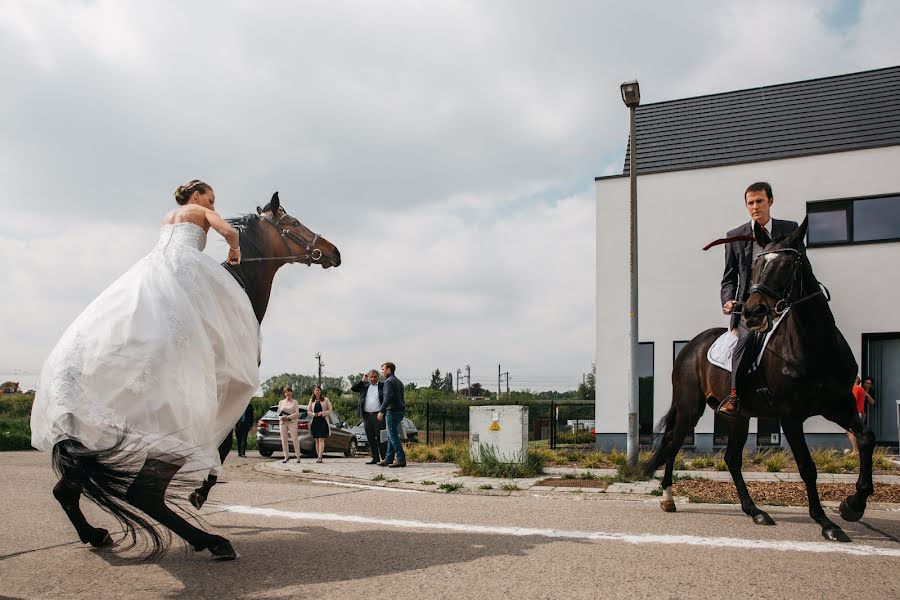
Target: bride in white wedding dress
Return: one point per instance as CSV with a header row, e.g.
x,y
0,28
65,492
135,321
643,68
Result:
x,y
167,356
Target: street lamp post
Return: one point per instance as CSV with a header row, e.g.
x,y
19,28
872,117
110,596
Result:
x,y
631,96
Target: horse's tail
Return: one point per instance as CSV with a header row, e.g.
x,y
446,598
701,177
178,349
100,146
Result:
x,y
105,477
664,426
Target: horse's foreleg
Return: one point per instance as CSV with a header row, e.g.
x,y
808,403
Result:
x,y
68,493
853,507
198,496
793,430
148,493
734,458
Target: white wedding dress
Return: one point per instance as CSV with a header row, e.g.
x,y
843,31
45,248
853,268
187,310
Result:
x,y
167,355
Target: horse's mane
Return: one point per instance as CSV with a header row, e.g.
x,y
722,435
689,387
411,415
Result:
x,y
249,234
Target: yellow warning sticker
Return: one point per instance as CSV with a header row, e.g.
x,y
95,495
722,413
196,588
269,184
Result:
x,y
495,426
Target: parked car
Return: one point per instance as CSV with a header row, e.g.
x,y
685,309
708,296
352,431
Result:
x,y
409,433
268,435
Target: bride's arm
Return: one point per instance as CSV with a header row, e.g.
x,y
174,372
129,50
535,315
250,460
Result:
x,y
227,232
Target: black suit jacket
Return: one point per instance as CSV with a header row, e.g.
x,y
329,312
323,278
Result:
x,y
362,387
739,260
246,420
392,394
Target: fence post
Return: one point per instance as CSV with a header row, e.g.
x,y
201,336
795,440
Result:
x,y
427,423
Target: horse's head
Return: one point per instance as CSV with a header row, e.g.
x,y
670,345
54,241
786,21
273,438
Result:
x,y
288,239
776,280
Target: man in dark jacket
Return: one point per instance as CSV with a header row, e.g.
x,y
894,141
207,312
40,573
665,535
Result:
x,y
242,429
392,411
370,398
739,257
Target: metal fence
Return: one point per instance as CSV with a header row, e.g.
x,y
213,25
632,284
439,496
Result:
x,y
555,424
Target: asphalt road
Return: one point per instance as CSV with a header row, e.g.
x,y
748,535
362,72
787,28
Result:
x,y
299,540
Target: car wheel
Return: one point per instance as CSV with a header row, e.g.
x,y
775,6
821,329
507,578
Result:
x,y
351,449
414,439
265,452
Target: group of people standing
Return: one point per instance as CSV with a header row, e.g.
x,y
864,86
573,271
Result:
x,y
381,406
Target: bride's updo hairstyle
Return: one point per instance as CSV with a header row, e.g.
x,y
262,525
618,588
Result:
x,y
183,193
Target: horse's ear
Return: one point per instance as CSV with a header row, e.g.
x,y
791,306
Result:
x,y
274,203
259,211
796,239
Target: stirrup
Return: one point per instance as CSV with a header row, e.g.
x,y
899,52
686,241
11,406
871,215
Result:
x,y
725,413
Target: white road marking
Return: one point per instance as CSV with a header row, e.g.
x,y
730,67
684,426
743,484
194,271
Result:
x,y
366,487
684,540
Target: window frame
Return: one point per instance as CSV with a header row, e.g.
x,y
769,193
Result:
x,y
833,205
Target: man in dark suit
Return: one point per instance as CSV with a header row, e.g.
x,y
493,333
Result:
x,y
393,409
739,256
242,429
370,397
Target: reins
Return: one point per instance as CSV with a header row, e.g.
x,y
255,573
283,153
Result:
x,y
784,301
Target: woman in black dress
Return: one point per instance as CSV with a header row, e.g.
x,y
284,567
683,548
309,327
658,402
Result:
x,y
320,408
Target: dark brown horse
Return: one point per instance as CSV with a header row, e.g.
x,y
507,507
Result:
x,y
138,494
807,368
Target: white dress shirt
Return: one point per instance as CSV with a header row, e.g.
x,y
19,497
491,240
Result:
x,y
372,404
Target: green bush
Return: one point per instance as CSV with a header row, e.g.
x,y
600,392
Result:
x,y
489,465
775,462
15,421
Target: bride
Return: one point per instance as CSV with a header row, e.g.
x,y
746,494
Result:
x,y
165,358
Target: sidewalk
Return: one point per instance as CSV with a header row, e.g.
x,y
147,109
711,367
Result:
x,y
430,476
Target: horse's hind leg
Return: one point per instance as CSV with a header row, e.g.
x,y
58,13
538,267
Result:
x,y
737,438
68,493
199,496
793,430
148,493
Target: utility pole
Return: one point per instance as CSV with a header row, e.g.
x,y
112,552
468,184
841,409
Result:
x,y
499,375
321,364
468,381
458,373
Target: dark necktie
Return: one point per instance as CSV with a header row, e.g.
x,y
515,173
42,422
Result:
x,y
762,237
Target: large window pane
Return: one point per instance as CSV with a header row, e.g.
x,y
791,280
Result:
x,y
876,219
645,393
828,226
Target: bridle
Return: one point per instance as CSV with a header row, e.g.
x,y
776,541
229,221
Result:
x,y
785,296
312,254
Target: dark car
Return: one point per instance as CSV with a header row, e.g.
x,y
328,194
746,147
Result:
x,y
268,435
408,433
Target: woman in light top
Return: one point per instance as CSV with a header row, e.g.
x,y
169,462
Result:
x,y
320,408
288,416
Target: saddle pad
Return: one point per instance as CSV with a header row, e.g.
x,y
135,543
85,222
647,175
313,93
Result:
x,y
720,352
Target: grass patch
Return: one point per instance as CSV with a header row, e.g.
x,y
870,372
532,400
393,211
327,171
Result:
x,y
485,486
378,477
450,487
680,463
656,492
593,460
827,461
509,487
587,475
719,462
879,460
428,482
489,465
702,462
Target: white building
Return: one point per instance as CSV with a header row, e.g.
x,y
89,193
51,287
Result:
x,y
830,148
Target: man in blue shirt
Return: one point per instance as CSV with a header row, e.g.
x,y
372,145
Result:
x,y
392,411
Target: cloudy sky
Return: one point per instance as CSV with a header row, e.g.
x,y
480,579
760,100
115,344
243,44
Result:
x,y
447,148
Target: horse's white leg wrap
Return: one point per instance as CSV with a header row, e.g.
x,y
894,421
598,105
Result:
x,y
667,494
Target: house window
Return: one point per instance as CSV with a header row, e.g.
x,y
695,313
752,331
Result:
x,y
854,220
645,393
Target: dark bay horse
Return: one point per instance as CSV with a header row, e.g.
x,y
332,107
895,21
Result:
x,y
808,368
133,492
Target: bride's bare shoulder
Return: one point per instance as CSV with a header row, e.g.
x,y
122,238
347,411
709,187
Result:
x,y
191,213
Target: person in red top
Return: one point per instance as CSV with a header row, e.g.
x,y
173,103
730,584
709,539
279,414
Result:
x,y
861,393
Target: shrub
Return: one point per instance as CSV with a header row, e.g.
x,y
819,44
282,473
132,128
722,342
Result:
x,y
880,460
592,460
617,457
702,462
489,465
776,461
680,463
827,461
719,462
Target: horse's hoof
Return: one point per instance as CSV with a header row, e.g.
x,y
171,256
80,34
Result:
x,y
667,505
101,538
847,513
762,518
197,500
835,534
223,551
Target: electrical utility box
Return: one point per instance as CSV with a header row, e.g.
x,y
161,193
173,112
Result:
x,y
503,430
